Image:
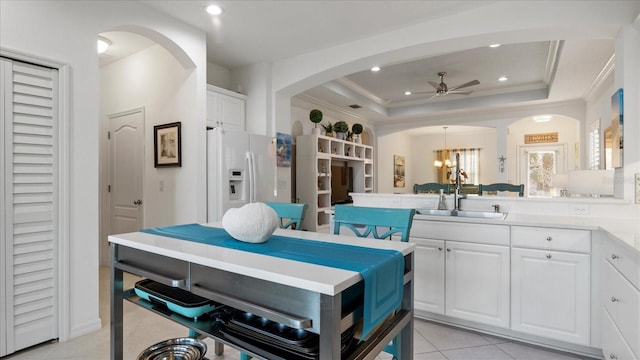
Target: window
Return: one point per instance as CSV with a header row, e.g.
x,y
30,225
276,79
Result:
x,y
469,164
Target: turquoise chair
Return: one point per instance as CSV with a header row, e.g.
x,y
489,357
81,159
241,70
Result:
x,y
365,221
431,188
502,187
289,215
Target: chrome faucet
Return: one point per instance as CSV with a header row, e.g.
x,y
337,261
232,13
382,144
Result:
x,y
456,193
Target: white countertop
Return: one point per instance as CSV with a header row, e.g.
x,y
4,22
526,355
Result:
x,y
617,217
317,278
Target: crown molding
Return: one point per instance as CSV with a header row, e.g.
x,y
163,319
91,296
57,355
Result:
x,y
599,83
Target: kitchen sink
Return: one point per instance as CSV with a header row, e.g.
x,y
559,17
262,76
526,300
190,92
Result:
x,y
463,213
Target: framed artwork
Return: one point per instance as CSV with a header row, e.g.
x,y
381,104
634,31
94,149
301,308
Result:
x,y
283,150
166,145
398,171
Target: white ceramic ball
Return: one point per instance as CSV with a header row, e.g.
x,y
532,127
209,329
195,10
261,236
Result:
x,y
252,223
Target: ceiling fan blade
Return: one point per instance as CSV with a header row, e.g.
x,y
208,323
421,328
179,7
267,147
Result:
x,y
434,84
423,92
470,83
458,92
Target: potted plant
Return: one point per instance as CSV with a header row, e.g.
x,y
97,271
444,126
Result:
x,y
349,136
340,128
357,130
328,129
315,116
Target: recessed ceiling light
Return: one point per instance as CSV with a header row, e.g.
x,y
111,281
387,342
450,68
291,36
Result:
x,y
494,45
375,68
214,10
503,78
103,44
407,92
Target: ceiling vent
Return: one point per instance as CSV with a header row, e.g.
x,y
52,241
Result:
x,y
355,106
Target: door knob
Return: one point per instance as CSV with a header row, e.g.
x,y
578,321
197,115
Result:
x,y
137,202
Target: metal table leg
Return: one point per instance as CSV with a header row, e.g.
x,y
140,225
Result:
x,y
116,298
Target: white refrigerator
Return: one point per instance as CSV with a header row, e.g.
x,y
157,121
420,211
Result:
x,y
241,168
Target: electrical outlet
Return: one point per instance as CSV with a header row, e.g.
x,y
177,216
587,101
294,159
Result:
x,y
579,209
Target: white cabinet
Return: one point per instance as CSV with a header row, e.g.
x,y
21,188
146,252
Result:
x,y
550,292
225,108
621,301
551,283
428,293
460,279
315,157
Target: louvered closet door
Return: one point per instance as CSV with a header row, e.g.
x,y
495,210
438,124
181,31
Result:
x,y
29,205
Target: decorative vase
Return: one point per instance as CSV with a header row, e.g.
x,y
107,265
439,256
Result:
x,y
316,131
340,135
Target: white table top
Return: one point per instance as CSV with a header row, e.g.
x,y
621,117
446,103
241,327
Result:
x,y
317,278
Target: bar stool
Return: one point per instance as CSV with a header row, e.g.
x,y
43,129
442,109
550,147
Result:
x,y
431,188
365,221
501,187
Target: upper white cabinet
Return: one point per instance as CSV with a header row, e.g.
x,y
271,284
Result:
x,y
550,283
225,108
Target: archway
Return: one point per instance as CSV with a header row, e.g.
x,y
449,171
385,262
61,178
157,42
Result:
x,y
151,74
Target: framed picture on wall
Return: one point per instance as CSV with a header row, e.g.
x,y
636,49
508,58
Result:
x,y
398,171
283,150
167,150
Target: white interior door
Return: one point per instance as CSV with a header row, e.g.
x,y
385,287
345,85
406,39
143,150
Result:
x,y
126,167
29,240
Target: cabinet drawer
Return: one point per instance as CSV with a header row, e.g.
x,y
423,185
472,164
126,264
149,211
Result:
x,y
551,238
613,345
476,233
625,259
622,302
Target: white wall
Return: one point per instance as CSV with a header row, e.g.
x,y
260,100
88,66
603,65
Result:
x,y
218,75
65,32
153,79
388,146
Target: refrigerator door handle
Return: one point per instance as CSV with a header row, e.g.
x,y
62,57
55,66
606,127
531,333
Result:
x,y
251,169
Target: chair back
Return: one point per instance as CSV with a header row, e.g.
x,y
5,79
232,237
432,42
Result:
x,y
502,187
289,214
431,188
366,220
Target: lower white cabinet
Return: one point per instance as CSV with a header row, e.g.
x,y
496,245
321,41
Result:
x,y
621,301
477,282
428,290
550,294
462,280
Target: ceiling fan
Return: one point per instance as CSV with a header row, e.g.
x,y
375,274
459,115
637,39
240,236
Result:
x,y
442,89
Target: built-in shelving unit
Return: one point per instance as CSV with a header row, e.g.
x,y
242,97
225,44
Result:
x,y
315,154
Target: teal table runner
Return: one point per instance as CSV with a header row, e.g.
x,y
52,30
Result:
x,y
382,270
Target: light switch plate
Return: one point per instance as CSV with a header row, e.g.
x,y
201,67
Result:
x,y
637,188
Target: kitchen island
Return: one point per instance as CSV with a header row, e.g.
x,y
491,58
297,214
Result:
x,y
298,294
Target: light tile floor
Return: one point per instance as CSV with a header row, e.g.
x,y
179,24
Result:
x,y
432,341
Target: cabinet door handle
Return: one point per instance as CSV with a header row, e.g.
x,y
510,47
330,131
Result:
x,y
549,238
548,256
440,248
614,299
614,257
448,249
612,356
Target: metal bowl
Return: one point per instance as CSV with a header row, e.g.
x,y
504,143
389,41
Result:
x,y
175,349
